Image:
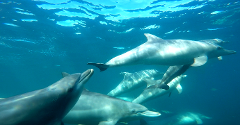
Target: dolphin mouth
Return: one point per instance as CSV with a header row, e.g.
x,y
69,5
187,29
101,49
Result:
x,y
151,114
86,75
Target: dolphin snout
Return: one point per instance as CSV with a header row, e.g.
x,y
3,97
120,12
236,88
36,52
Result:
x,y
231,51
151,114
85,76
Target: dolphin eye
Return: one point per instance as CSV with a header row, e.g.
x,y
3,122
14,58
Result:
x,y
219,48
133,111
70,90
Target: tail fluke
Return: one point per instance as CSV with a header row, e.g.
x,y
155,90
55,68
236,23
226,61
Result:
x,y
101,66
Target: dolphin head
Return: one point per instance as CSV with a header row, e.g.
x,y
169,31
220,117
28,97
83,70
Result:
x,y
71,83
137,111
220,51
68,90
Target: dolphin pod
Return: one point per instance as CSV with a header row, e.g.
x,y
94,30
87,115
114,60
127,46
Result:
x,y
45,106
157,51
67,101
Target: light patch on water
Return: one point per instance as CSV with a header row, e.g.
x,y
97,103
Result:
x,y
214,28
126,31
51,19
10,24
25,13
29,20
54,1
169,32
22,40
75,14
118,10
216,12
16,8
103,22
151,27
78,33
119,47
129,30
69,23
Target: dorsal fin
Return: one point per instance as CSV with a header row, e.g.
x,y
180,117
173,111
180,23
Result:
x,y
151,82
64,74
84,89
151,37
126,75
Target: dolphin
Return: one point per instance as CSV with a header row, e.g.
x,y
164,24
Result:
x,y
154,92
157,51
133,80
99,109
45,106
184,118
171,73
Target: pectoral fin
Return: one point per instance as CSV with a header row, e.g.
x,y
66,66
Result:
x,y
201,60
112,122
179,88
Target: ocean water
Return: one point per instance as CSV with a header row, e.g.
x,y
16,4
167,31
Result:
x,y
39,39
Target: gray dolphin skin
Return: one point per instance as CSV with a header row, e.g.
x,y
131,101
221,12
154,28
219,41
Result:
x,y
45,106
154,92
133,80
157,51
98,109
171,73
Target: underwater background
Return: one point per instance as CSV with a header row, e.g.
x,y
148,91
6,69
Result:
x,y
39,39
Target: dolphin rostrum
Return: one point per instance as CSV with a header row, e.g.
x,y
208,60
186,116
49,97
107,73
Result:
x,y
45,106
157,51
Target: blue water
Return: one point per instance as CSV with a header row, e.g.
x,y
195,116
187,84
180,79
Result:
x,y
39,39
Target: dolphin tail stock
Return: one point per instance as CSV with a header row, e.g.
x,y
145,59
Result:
x,y
101,66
